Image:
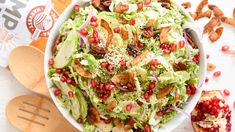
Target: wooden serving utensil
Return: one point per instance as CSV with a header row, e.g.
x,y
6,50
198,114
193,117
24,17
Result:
x,y
26,64
33,113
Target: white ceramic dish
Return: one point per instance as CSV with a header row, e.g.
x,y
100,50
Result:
x,y
197,36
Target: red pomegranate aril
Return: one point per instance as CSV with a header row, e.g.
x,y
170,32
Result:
x,y
93,83
151,85
140,6
91,40
76,8
154,62
70,93
51,62
150,92
141,45
207,56
173,47
129,107
63,78
129,86
110,68
159,113
146,96
57,92
104,64
59,70
166,51
147,128
93,19
139,103
217,74
95,34
117,29
106,96
94,24
100,95
225,48
132,21
69,80
147,2
80,120
122,64
101,85
108,87
206,80
181,44
83,32
226,92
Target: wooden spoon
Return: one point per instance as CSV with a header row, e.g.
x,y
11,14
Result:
x,y
26,64
32,113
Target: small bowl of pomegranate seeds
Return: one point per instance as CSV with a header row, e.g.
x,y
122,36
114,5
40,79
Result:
x,y
125,66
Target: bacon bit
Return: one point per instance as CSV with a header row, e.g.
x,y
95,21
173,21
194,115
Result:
x,y
180,66
229,21
210,67
124,79
93,115
201,5
55,44
139,58
149,23
117,122
164,92
111,105
234,12
121,8
216,10
80,69
186,5
163,34
204,14
194,16
124,33
215,35
105,25
215,21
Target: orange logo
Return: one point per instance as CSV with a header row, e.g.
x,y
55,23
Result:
x,y
40,20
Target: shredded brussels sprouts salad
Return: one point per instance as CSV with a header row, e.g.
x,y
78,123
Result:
x,y
124,65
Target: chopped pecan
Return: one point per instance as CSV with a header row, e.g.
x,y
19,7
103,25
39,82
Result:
x,y
122,20
165,3
102,4
148,32
55,44
129,123
106,3
133,50
93,115
98,52
117,122
124,81
120,8
111,105
190,40
180,66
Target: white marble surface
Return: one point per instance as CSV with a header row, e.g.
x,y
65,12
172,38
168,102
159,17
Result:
x,y
225,63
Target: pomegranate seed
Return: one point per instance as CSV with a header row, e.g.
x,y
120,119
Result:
x,y
140,6
95,34
217,74
106,96
151,85
91,40
70,93
181,44
147,128
94,24
154,62
141,45
69,81
110,67
207,56
132,21
93,19
117,29
63,78
129,107
101,86
83,32
147,2
57,92
225,48
166,51
100,95
51,62
159,113
93,83
226,92
146,96
173,47
122,64
150,92
206,80
59,70
76,8
108,87
80,120
104,64
139,103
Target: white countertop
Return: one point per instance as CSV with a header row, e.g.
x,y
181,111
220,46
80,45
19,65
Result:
x,y
224,62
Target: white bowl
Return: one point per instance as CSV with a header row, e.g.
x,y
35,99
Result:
x,y
172,124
